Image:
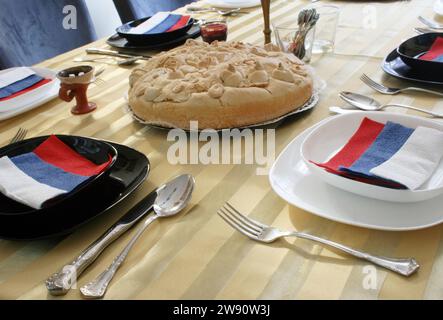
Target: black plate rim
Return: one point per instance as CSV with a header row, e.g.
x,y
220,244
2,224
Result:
x,y
405,57
78,189
158,46
393,73
135,184
134,38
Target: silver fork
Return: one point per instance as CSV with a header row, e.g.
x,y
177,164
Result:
x,y
391,91
260,232
99,81
19,136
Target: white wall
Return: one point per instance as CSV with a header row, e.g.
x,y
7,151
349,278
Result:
x,y
104,15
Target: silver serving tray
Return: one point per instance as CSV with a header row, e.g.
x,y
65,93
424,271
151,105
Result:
x,y
310,104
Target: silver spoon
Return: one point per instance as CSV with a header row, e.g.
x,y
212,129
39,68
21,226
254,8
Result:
x,y
171,199
368,104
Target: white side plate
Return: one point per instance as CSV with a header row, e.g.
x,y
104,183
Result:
x,y
32,99
292,180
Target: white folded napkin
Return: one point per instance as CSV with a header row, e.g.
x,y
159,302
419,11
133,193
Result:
x,y
151,23
416,160
17,185
10,77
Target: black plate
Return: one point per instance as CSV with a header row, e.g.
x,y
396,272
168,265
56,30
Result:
x,y
394,66
94,150
129,171
412,49
146,39
121,43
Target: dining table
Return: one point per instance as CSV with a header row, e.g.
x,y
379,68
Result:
x,y
196,255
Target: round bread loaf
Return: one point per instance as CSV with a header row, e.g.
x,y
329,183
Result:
x,y
220,85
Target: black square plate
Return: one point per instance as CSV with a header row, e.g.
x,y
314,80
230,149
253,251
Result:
x,y
121,43
130,169
94,150
394,66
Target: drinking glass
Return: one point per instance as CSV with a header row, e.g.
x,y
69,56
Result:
x,y
326,28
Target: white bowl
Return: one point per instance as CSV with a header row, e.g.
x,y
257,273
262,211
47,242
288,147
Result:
x,y
329,137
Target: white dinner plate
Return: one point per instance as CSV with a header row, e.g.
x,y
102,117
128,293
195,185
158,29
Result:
x,y
327,139
292,180
32,99
230,4
438,7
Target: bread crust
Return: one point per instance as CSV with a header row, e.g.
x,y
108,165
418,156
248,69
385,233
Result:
x,y
222,85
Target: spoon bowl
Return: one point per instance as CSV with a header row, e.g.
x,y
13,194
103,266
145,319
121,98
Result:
x,y
366,103
174,196
171,198
361,101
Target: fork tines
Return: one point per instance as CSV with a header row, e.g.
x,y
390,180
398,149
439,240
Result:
x,y
19,136
99,81
240,222
372,83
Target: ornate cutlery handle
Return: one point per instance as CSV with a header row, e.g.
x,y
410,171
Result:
x,y
60,283
404,267
435,115
97,288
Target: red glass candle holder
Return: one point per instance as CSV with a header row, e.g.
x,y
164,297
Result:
x,y
214,30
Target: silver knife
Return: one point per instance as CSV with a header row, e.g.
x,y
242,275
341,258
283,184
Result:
x,y
61,282
115,53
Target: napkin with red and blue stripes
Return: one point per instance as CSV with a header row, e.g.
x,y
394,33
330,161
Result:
x,y
51,170
161,22
18,81
389,155
435,53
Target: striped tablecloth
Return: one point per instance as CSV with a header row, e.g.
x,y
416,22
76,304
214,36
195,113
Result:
x,y
196,255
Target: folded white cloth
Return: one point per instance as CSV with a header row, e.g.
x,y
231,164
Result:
x,y
416,160
17,185
151,23
9,77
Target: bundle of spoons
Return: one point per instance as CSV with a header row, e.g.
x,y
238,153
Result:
x,y
307,19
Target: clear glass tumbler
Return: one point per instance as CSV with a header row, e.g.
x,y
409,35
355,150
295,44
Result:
x,y
286,36
326,28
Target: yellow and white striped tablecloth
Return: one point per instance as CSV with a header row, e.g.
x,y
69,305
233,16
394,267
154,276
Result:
x,y
196,255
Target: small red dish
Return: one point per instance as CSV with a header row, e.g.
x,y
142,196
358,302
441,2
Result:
x,y
214,30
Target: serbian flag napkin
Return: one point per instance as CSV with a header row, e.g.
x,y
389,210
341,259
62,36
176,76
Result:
x,y
161,22
19,81
416,160
51,170
360,141
389,155
388,142
436,51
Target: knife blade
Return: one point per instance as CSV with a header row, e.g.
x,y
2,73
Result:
x,y
113,53
61,282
